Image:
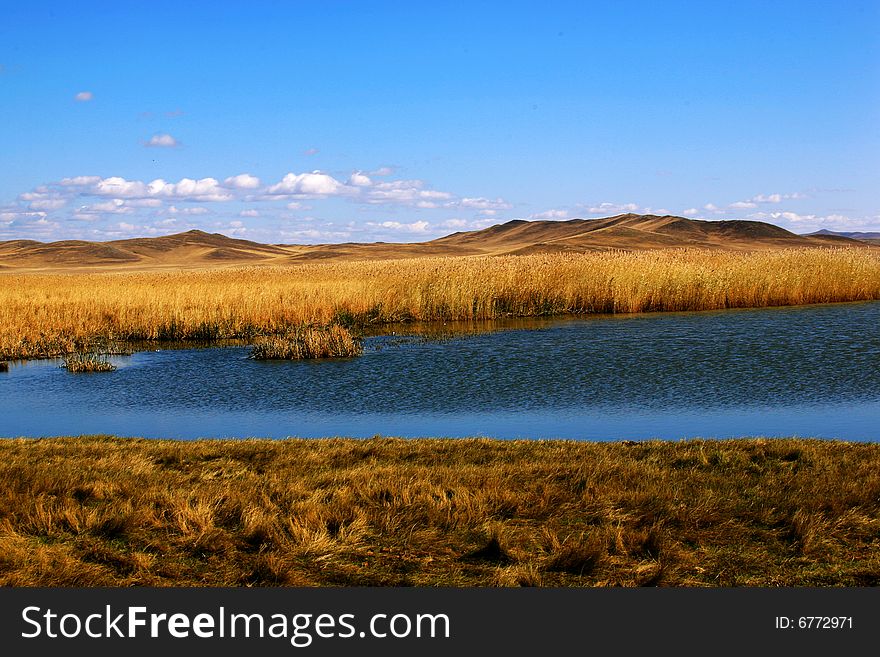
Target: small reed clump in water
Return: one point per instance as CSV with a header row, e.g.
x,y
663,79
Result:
x,y
4,367
309,342
88,363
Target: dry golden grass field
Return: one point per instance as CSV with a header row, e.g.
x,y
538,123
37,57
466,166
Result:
x,y
52,314
98,511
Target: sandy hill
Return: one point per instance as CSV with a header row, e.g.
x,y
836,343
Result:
x,y
628,231
631,232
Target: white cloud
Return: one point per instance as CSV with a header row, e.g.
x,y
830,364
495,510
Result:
x,y
308,185
242,181
776,198
188,211
383,171
205,189
550,215
80,181
162,140
143,202
311,151
805,223
10,215
414,227
485,203
116,186
612,208
315,235
151,203
743,205
43,199
454,223
691,212
84,96
406,192
359,180
96,210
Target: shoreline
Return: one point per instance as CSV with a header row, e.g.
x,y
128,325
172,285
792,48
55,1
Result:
x,y
426,329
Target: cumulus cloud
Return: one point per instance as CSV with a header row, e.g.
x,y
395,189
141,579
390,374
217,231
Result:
x,y
14,222
9,215
691,212
80,181
764,199
188,211
308,185
481,203
97,210
152,204
47,204
550,215
414,227
242,181
144,202
361,188
315,235
205,189
809,222
776,198
84,96
612,208
359,180
406,192
162,140
43,198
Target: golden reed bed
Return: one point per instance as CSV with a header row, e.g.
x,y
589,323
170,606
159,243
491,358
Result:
x,y
54,314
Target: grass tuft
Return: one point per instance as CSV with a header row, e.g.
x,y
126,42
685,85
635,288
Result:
x,y
88,363
309,342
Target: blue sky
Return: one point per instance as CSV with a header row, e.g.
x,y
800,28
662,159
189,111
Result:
x,y
325,122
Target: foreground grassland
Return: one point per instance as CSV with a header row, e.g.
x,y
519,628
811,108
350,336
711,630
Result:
x,y
102,511
55,314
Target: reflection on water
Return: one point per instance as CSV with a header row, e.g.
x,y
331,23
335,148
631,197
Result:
x,y
810,371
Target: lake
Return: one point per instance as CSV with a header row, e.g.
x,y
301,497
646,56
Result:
x,y
802,371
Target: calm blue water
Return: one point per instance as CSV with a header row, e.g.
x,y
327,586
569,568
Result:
x,y
807,371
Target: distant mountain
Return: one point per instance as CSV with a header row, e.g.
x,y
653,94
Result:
x,y
854,236
629,232
192,248
196,248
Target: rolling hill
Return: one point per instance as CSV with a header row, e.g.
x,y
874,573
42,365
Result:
x,y
196,248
